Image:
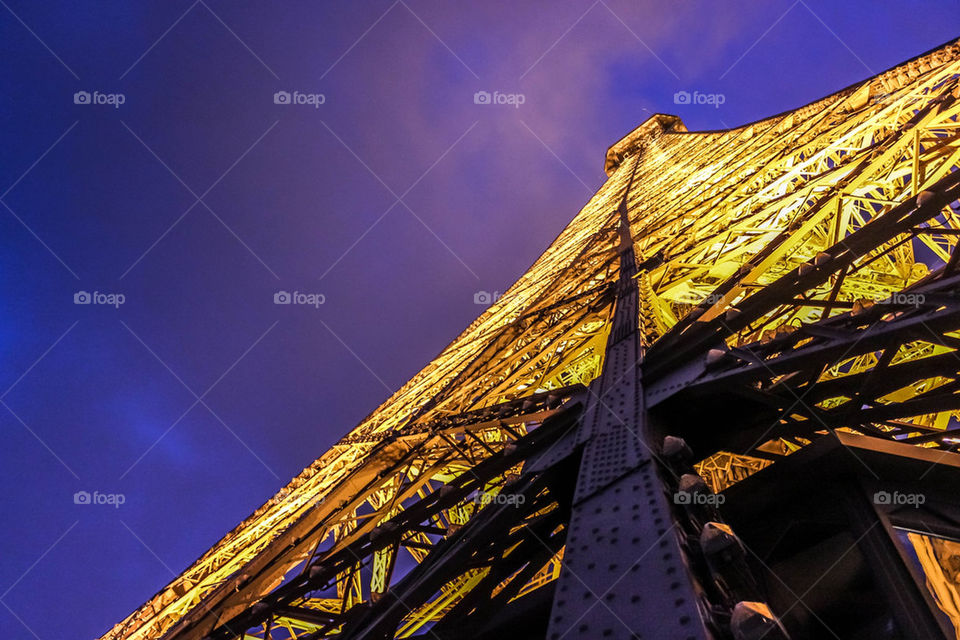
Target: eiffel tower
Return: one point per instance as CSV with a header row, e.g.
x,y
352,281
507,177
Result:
x,y
722,404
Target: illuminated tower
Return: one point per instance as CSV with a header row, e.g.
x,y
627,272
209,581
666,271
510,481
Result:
x,y
722,404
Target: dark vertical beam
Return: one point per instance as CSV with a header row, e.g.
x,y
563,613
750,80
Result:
x,y
624,574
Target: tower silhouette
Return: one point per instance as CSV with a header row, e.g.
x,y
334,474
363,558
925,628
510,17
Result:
x,y
722,404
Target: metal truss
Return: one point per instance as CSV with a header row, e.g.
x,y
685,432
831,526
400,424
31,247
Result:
x,y
749,290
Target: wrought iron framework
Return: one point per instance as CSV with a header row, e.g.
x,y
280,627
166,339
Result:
x,y
742,293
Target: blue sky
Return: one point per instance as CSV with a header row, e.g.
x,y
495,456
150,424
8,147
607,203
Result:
x,y
397,199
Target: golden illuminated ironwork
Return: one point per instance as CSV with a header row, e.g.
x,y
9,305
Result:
x,y
939,559
719,219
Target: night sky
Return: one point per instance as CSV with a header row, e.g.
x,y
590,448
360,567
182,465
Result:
x,y
182,389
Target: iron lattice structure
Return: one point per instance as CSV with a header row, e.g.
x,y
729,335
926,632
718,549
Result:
x,y
736,296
